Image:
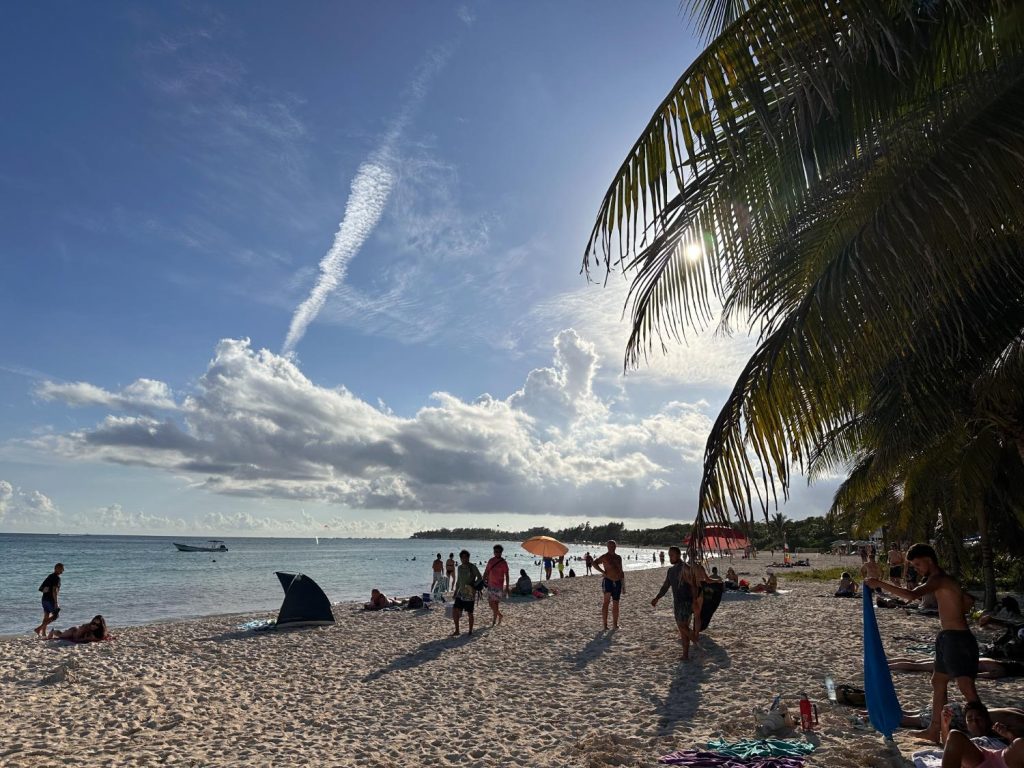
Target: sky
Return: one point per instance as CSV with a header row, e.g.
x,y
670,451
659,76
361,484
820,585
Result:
x,y
316,270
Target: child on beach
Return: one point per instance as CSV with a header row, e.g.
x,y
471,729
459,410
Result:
x,y
956,649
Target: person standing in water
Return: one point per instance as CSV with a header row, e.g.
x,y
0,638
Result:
x,y
613,584
588,560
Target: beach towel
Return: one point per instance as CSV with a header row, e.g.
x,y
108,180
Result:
x,y
703,759
712,598
883,707
748,748
932,758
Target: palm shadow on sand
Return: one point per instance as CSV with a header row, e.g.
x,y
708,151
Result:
x,y
683,697
591,651
427,652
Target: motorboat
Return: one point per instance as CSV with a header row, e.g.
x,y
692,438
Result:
x,y
215,545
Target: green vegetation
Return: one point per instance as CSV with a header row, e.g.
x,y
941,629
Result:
x,y
844,180
824,574
580,534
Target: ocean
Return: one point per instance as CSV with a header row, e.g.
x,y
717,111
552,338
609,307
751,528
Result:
x,y
144,579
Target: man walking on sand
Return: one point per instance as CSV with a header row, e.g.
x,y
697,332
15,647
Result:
x,y
465,590
679,580
956,649
51,607
496,582
613,584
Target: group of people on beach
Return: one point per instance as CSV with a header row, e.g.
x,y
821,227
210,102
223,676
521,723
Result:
x,y
92,631
957,659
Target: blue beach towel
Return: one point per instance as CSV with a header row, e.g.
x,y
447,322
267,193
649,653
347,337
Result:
x,y
883,707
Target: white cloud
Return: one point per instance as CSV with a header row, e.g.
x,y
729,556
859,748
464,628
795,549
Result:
x,y
368,197
22,510
256,427
140,395
703,359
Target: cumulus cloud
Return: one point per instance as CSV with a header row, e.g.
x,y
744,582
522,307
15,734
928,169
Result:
x,y
140,395
255,426
26,509
704,358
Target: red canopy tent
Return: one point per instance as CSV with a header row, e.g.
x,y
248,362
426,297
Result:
x,y
721,537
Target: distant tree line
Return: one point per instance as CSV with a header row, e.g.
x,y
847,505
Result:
x,y
813,533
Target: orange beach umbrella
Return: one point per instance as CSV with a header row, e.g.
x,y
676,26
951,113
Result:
x,y
545,546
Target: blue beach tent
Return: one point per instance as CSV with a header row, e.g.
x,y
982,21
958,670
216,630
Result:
x,y
305,604
883,707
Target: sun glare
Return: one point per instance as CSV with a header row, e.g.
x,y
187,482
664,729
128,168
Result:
x,y
693,252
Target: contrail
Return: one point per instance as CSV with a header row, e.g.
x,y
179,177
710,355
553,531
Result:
x,y
367,200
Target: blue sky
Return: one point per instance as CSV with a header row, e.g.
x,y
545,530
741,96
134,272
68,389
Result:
x,y
173,176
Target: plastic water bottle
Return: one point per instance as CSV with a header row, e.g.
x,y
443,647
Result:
x,y
830,686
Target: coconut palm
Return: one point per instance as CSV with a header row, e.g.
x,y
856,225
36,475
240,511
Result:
x,y
841,179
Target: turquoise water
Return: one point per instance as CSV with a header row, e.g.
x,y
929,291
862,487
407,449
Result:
x,y
141,579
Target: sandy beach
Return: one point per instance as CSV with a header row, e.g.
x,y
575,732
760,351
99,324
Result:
x,y
546,687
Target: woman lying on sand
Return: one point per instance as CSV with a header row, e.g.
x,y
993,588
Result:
x,y
961,752
991,669
379,600
92,632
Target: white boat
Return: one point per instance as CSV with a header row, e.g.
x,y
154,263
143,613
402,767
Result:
x,y
216,545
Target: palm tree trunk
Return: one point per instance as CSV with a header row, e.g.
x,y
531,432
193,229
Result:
x,y
988,568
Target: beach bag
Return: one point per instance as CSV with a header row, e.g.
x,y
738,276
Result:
x,y
415,601
850,695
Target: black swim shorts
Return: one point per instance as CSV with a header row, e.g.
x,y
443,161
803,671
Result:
x,y
464,605
683,610
614,587
956,653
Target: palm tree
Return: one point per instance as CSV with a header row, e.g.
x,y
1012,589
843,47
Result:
x,y
841,179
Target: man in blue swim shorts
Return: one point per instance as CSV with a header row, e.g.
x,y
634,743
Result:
x,y
50,589
610,566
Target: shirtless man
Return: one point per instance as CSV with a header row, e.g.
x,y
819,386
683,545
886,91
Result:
x,y
895,560
613,584
871,569
956,649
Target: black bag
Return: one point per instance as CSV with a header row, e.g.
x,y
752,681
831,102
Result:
x,y
478,583
850,695
415,601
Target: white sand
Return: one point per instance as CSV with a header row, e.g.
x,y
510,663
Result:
x,y
546,688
